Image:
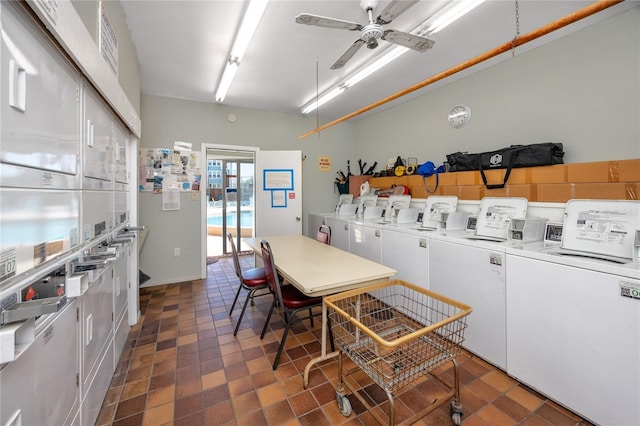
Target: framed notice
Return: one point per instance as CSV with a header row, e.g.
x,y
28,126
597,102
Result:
x,y
108,41
278,179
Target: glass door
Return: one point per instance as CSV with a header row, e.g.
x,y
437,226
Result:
x,y
230,200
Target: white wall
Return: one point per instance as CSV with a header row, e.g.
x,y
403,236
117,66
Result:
x,y
166,120
582,90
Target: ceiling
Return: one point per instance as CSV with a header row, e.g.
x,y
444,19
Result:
x,y
182,47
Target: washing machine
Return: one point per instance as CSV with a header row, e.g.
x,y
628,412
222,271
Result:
x,y
573,312
405,245
469,266
365,233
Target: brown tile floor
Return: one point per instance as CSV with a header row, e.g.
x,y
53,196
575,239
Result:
x,y
183,366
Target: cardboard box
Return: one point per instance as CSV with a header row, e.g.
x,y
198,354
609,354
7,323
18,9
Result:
x,y
601,191
496,192
628,170
526,191
468,178
589,172
355,182
471,192
449,190
548,174
448,178
555,192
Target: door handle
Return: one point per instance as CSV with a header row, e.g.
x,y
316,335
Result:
x,y
297,219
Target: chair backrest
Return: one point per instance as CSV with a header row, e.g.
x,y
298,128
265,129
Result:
x,y
236,261
270,270
324,234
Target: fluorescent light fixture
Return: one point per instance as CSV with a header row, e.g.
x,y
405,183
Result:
x,y
323,99
227,78
248,27
452,12
376,65
455,10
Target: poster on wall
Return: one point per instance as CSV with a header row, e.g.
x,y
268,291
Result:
x,y
108,41
163,169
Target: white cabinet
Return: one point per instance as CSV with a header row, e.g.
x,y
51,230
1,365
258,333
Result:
x,y
407,253
120,148
365,240
40,108
573,337
121,282
40,388
96,317
97,214
339,232
98,153
476,276
37,226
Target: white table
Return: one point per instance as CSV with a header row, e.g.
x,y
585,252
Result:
x,y
319,269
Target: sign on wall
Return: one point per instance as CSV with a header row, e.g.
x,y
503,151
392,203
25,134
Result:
x,y
108,41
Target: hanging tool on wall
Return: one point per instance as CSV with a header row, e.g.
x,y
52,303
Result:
x,y
362,166
370,169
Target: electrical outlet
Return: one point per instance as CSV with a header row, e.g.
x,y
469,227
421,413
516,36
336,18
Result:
x,y
176,251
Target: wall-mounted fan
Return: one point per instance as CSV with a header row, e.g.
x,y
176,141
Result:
x,y
370,33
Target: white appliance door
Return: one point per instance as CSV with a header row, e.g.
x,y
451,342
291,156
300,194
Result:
x,y
364,241
574,337
278,192
474,276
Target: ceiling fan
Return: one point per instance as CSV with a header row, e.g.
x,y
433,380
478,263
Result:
x,y
370,33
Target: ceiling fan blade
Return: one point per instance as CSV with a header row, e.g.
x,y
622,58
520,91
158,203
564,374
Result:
x,y
322,21
348,54
412,41
393,10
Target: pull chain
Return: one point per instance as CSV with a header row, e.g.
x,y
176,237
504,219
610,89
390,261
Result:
x,y
517,36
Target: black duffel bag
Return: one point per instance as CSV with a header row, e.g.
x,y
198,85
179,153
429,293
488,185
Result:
x,y
539,154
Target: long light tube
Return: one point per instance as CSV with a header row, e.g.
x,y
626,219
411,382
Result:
x,y
250,22
432,25
365,72
451,14
323,99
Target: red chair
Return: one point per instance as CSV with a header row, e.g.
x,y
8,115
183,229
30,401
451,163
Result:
x,y
288,297
324,234
251,280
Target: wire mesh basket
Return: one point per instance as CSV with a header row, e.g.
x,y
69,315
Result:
x,y
397,331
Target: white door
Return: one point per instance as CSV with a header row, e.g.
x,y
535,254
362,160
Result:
x,y
278,192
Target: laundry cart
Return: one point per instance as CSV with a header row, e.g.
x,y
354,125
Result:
x,y
396,333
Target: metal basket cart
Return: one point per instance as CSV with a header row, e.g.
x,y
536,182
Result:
x,y
396,332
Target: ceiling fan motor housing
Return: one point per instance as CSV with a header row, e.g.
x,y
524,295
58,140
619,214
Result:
x,y
370,34
367,5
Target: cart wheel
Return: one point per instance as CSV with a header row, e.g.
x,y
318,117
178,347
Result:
x,y
456,412
344,404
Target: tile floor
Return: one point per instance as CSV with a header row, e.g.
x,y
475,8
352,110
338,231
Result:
x,y
183,366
